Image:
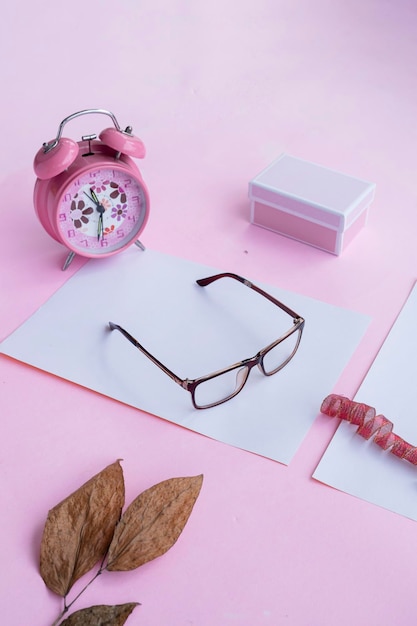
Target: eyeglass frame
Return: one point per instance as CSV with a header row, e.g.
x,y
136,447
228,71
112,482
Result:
x,y
191,384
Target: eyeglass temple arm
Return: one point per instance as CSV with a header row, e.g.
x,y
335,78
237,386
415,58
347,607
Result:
x,y
203,282
154,360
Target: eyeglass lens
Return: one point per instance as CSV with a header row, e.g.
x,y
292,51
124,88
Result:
x,y
220,388
280,354
226,385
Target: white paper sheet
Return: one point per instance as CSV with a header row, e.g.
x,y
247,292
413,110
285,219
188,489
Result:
x,y
193,331
360,467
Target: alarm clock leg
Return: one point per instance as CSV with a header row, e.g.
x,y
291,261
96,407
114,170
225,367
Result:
x,y
68,260
140,245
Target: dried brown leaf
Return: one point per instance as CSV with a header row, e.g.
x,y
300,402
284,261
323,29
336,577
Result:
x,y
153,523
101,615
78,531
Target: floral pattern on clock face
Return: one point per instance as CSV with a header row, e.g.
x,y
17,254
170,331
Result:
x,y
102,211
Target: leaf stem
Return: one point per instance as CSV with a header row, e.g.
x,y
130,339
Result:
x,y
68,606
60,616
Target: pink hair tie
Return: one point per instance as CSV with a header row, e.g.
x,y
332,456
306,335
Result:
x,y
369,425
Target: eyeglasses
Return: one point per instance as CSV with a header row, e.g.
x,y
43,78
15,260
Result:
x,y
218,387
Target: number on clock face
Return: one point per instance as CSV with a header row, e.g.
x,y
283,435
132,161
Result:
x,y
102,211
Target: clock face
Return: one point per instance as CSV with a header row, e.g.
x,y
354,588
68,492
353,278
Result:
x,y
102,211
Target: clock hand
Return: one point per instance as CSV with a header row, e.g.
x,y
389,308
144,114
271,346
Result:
x,y
100,226
95,200
100,209
91,198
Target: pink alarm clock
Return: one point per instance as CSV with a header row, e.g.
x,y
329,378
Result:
x,y
89,195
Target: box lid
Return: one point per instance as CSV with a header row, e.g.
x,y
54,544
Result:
x,y
313,191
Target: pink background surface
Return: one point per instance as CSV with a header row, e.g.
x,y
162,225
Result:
x,y
216,91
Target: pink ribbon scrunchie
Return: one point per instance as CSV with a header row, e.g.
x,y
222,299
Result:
x,y
369,425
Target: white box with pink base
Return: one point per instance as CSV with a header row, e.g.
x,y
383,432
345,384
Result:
x,y
310,203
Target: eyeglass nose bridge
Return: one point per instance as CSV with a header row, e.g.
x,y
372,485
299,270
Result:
x,y
243,372
248,364
241,377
